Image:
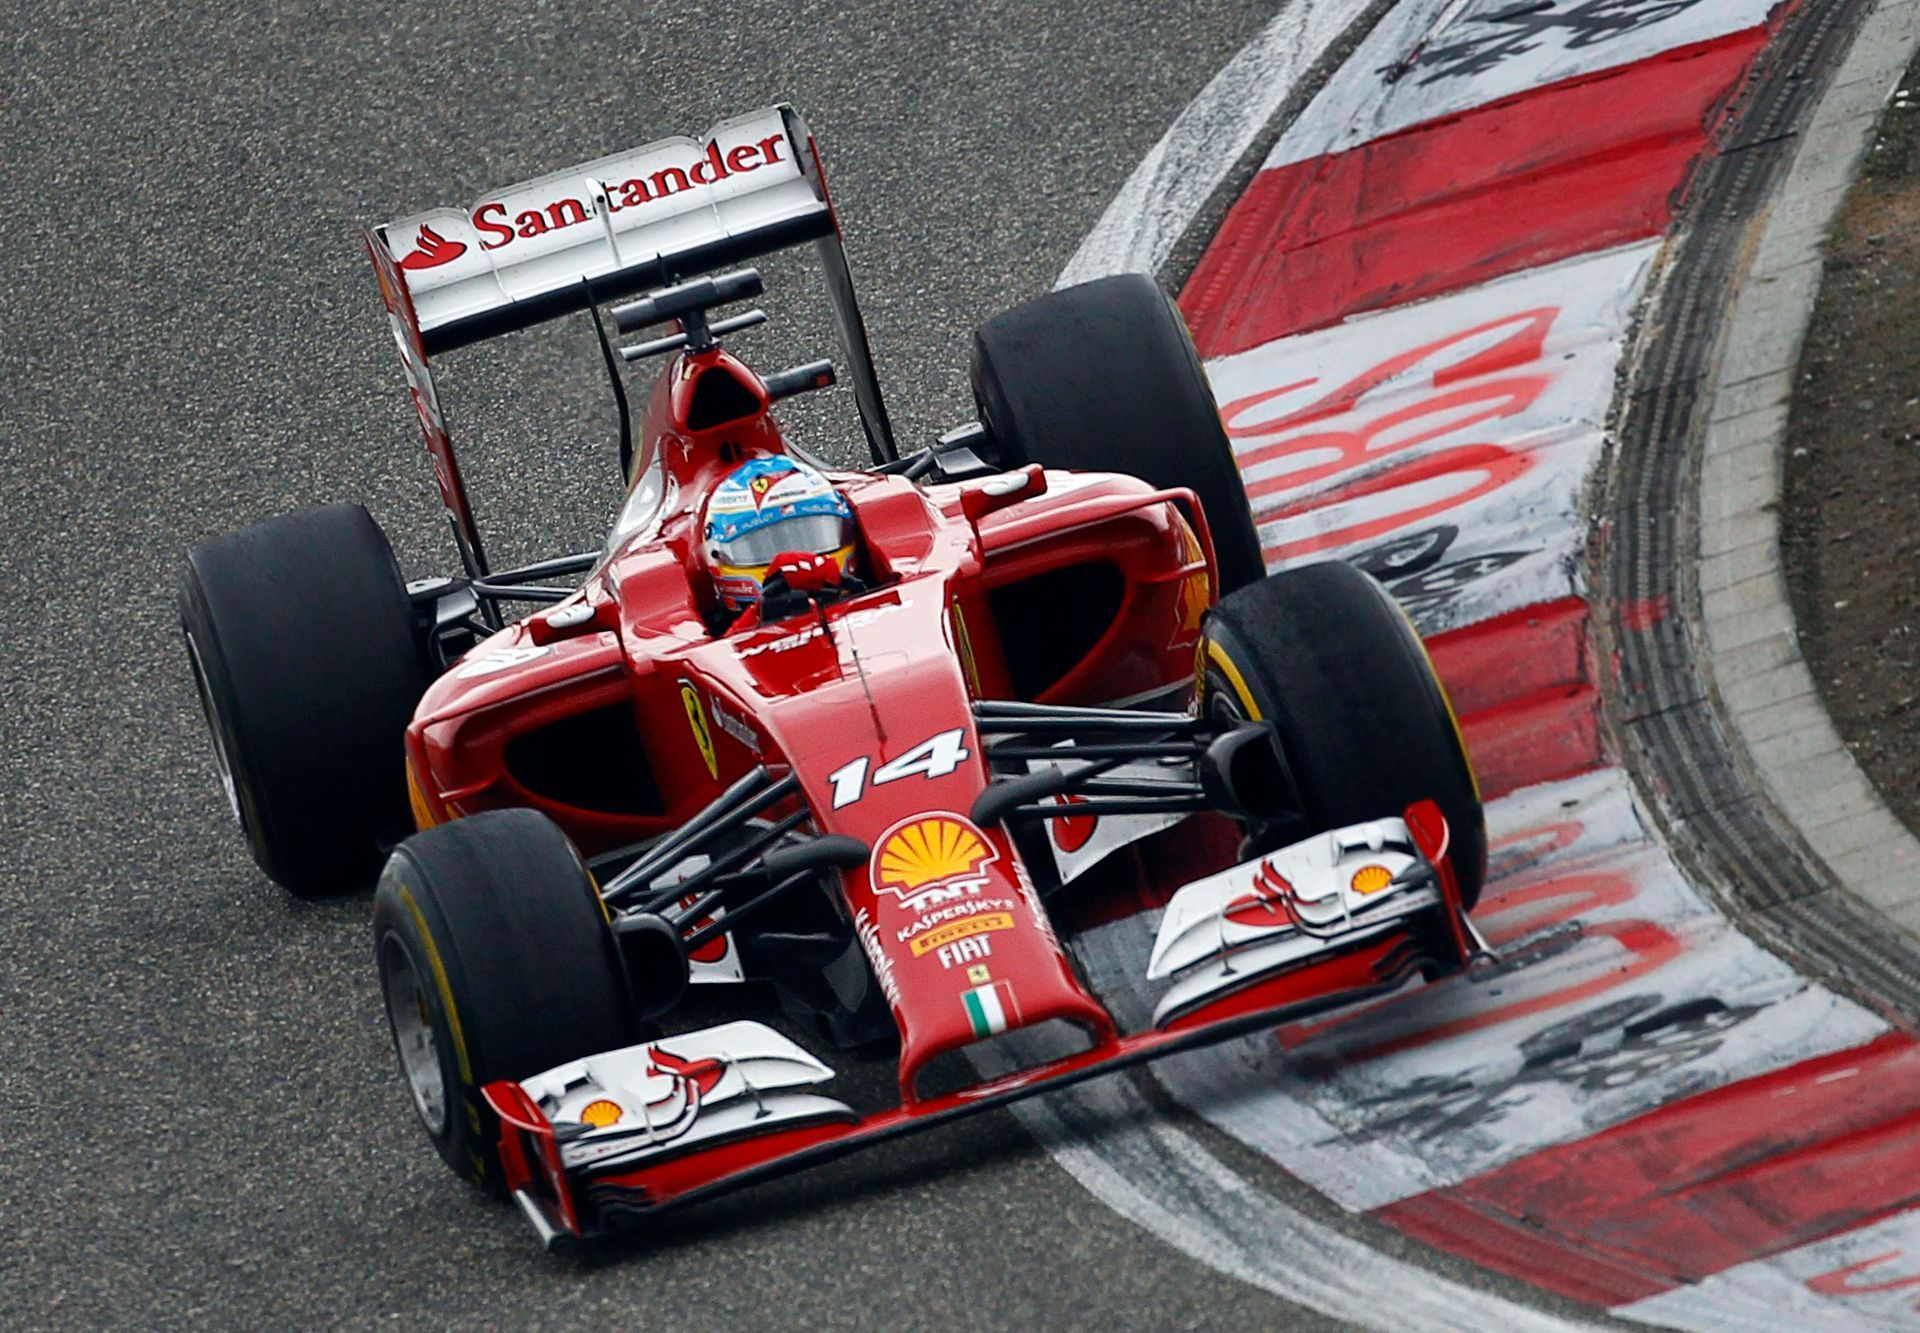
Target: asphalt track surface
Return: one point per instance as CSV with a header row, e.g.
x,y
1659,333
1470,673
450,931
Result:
x,y
199,1117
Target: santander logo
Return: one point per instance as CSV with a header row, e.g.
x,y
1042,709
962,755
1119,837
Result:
x,y
432,250
499,227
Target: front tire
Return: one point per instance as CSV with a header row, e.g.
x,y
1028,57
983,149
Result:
x,y
1103,377
495,962
1325,654
301,640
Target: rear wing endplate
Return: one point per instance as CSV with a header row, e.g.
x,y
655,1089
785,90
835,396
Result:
x,y
603,230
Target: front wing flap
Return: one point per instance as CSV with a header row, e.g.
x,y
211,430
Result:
x,y
1335,889
1329,920
677,1093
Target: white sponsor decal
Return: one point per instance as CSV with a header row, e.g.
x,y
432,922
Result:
x,y
852,620
499,659
599,217
877,955
969,950
737,727
934,757
1031,896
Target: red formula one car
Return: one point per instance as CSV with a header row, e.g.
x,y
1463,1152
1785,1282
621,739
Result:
x,y
865,743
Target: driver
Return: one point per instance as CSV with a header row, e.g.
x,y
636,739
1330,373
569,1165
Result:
x,y
769,507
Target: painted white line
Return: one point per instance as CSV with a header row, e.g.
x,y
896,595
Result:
x,y
1174,180
1160,1178
1860,1279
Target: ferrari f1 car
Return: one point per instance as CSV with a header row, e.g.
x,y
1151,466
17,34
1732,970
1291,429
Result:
x,y
1037,673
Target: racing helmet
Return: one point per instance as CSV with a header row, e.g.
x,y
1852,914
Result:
x,y
768,507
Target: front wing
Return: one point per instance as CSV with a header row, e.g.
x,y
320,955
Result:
x,y
1336,918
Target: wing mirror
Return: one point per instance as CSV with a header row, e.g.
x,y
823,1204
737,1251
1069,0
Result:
x,y
1007,489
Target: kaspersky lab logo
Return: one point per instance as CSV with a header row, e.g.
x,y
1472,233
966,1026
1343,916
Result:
x,y
928,859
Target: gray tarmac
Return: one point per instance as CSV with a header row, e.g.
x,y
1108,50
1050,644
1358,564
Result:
x,y
199,1118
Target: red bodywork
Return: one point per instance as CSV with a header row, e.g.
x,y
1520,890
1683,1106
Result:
x,y
790,694
626,709
530,1151
869,680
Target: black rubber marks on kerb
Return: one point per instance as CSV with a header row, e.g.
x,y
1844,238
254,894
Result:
x,y
1659,710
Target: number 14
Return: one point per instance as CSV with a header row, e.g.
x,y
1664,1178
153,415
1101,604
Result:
x,y
934,757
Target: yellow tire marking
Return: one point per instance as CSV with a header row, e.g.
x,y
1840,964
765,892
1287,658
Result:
x,y
440,981
1459,737
1218,656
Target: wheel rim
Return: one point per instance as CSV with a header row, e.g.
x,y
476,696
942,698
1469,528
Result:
x,y
413,1036
1223,705
221,758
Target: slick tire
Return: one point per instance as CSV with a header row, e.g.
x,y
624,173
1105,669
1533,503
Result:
x,y
1327,656
495,962
1103,377
303,649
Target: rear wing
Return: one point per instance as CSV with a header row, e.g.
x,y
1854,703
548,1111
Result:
x,y
603,230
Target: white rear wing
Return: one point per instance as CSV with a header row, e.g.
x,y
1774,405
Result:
x,y
603,230
615,226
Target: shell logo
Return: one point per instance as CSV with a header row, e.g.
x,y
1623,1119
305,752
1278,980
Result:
x,y
928,857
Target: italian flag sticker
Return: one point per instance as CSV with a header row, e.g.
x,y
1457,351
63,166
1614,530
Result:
x,y
990,1008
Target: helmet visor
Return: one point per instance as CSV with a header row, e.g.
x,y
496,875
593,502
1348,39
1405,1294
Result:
x,y
810,534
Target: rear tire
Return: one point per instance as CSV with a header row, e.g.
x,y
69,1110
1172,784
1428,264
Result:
x,y
1325,654
302,644
495,962
1103,377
